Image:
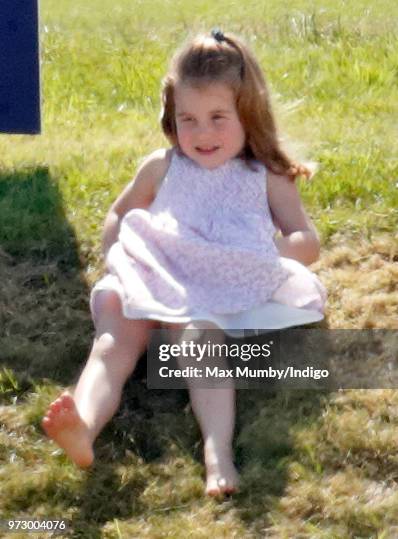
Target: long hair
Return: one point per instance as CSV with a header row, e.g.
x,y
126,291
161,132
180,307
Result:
x,y
224,58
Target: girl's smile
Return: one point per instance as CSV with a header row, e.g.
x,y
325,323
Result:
x,y
208,127
207,151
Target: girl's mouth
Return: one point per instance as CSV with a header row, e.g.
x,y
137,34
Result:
x,y
207,151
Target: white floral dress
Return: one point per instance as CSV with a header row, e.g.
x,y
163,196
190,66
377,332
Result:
x,y
204,250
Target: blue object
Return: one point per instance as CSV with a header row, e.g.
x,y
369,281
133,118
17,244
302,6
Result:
x,y
19,67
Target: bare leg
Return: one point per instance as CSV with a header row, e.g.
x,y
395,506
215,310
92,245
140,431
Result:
x,y
74,421
215,411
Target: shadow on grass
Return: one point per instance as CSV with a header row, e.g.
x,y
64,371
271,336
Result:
x,y
46,332
44,319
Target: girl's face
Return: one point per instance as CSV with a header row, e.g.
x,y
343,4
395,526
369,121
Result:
x,y
208,127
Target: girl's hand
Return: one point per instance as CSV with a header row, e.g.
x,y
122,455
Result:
x,y
302,245
296,170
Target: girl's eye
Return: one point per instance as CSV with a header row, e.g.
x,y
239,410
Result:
x,y
218,117
187,119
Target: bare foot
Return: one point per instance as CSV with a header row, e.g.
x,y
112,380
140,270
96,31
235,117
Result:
x,y
221,475
63,424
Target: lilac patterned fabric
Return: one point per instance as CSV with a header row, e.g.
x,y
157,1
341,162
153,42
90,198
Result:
x,y
204,249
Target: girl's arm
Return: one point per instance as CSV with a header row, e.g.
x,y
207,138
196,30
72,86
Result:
x,y
299,239
139,193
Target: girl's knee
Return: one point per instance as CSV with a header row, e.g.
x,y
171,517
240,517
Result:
x,y
122,343
105,303
105,343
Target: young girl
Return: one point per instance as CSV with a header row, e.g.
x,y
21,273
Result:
x,y
192,238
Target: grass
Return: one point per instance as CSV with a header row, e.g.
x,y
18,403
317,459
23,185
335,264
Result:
x,y
313,464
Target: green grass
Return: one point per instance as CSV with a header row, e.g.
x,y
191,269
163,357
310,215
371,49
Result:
x,y
313,465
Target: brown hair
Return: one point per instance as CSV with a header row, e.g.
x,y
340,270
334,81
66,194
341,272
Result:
x,y
226,59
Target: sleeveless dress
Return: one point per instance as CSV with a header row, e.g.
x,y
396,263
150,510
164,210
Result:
x,y
204,251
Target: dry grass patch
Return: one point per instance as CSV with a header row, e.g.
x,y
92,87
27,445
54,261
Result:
x,y
362,281
342,481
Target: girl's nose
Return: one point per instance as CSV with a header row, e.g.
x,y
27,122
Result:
x,y
203,130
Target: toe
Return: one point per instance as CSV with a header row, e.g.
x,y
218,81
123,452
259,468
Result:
x,y
219,487
212,488
214,491
49,416
47,425
55,406
67,402
229,489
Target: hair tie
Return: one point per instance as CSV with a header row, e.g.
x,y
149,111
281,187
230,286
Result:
x,y
218,35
